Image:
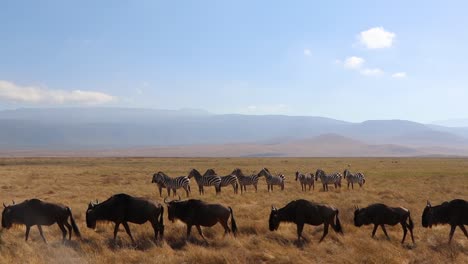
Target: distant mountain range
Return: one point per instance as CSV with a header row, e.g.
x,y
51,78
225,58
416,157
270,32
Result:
x,y
193,132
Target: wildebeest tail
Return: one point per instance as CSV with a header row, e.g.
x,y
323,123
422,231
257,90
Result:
x,y
337,226
411,225
233,222
73,223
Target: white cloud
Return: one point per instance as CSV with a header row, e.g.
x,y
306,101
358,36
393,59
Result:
x,y
371,72
353,62
307,52
33,94
399,75
377,38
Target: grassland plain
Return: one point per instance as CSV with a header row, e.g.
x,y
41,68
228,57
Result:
x,y
75,182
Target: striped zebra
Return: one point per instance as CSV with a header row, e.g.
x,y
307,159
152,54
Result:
x,y
209,180
354,178
245,180
305,179
225,180
163,180
272,180
334,178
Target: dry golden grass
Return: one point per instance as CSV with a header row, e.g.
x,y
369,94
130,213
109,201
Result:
x,y
74,182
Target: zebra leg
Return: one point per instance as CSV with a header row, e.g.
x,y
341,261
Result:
x,y
174,192
255,187
348,185
352,185
186,190
374,230
169,192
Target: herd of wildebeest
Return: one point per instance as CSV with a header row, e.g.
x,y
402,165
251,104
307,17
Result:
x,y
123,208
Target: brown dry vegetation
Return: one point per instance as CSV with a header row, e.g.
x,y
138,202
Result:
x,y
74,182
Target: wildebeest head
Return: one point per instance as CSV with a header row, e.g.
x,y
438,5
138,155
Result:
x,y
360,217
171,209
7,220
427,216
91,215
274,220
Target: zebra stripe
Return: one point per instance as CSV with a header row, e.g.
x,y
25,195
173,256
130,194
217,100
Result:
x,y
272,180
208,180
163,180
305,180
246,180
334,178
354,178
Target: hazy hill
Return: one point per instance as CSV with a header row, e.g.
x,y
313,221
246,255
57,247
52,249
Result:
x,y
78,129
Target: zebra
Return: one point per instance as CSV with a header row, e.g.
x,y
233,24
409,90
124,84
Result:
x,y
305,179
245,180
354,178
163,180
334,178
208,180
225,180
272,180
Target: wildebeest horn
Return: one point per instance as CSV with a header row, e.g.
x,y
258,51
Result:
x,y
4,205
428,203
13,201
179,198
165,198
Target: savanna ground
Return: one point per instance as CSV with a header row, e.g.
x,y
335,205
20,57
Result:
x,y
407,182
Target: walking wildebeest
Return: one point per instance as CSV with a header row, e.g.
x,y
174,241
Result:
x,y
36,212
197,213
454,213
123,208
304,212
381,215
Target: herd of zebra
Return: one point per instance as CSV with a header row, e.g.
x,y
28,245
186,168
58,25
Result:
x,y
238,178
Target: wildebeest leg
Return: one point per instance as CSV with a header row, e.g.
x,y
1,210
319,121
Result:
x,y
452,230
116,229
64,231
325,231
201,234
189,229
69,229
462,227
403,224
300,227
28,228
224,223
127,229
375,229
40,232
384,230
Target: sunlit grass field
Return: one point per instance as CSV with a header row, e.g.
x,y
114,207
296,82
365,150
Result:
x,y
407,182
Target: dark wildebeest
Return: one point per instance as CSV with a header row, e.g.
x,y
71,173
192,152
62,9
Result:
x,y
36,212
303,212
123,208
454,213
381,215
197,213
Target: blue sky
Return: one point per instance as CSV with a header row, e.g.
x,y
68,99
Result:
x,y
350,60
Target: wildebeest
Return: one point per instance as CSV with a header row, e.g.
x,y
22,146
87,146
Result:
x,y
381,215
198,213
123,208
454,213
36,212
303,212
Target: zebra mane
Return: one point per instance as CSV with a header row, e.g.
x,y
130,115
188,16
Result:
x,y
210,172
